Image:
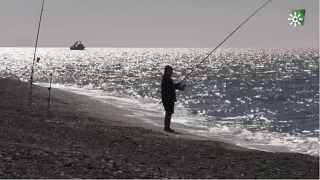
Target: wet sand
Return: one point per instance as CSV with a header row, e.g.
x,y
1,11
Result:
x,y
84,138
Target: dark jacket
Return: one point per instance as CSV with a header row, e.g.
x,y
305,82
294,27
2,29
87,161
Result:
x,y
168,89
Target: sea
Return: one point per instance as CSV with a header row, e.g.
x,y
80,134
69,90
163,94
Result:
x,y
265,99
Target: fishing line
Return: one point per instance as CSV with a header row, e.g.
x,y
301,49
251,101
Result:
x,y
223,42
184,79
34,55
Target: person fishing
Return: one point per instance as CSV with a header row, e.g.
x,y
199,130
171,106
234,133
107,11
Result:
x,y
168,93
168,87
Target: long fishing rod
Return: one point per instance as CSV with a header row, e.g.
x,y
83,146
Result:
x,y
223,42
35,52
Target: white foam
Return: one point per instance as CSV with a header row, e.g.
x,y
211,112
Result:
x,y
152,112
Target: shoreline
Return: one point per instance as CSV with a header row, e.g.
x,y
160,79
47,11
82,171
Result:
x,y
126,119
185,131
83,138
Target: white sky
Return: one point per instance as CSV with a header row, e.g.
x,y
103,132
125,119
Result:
x,y
157,23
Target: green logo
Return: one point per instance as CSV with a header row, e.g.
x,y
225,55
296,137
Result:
x,y
297,17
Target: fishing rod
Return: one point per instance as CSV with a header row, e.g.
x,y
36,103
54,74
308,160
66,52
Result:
x,y
34,55
223,41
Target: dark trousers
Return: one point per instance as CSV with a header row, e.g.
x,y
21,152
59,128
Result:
x,y
169,108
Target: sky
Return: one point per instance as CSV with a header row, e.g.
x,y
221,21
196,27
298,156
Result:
x,y
157,23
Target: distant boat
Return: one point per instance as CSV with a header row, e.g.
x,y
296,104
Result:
x,y
77,46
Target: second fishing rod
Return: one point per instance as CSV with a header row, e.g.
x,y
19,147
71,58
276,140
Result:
x,y
186,77
34,55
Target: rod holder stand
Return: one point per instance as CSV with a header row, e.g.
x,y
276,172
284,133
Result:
x,y
49,96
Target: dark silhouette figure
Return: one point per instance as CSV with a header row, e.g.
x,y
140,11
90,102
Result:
x,y
168,92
